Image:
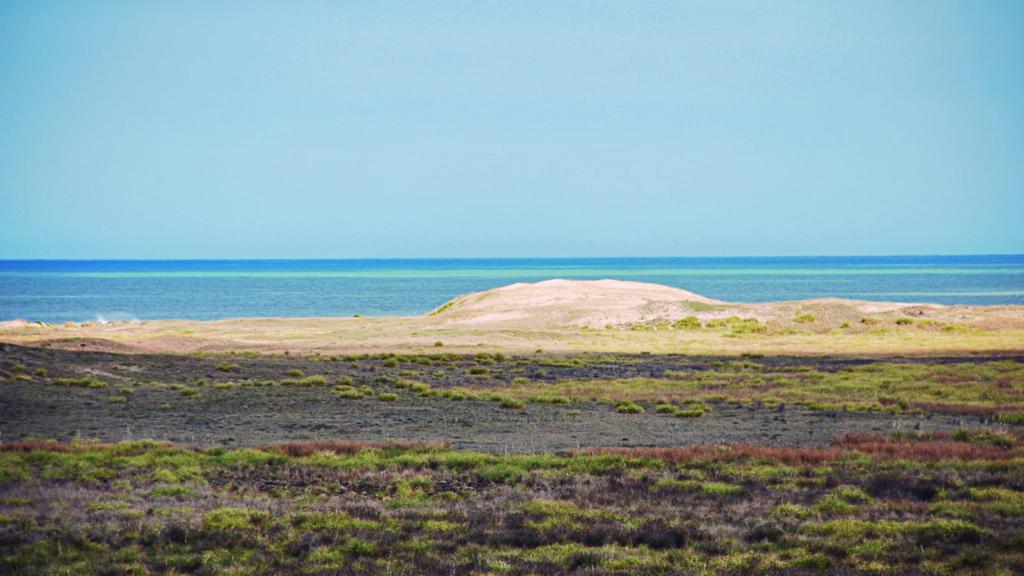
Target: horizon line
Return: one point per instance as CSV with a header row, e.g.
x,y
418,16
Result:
x,y
463,258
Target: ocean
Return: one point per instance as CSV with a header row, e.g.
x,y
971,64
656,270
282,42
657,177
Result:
x,y
59,291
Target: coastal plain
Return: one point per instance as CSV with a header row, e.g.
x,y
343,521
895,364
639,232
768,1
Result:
x,y
554,428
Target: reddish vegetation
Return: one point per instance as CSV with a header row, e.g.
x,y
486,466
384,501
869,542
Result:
x,y
309,447
939,446
724,453
930,449
33,445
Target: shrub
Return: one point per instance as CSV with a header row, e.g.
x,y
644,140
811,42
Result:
x,y
719,488
438,344
512,404
233,519
172,490
390,363
552,400
852,494
479,370
804,319
420,388
41,372
628,407
688,323
226,367
387,396
904,321
294,373
665,409
348,392
313,381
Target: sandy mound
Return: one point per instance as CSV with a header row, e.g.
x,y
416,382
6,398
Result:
x,y
16,323
574,303
571,303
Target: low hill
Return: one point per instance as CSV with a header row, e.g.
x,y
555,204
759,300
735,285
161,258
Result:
x,y
571,303
614,303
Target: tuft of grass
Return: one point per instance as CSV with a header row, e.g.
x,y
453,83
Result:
x,y
804,319
227,367
387,396
85,382
688,323
348,392
628,407
512,403
234,519
719,488
294,373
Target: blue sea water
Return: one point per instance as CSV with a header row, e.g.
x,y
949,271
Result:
x,y
58,291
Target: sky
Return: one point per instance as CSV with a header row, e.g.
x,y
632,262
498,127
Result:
x,y
299,129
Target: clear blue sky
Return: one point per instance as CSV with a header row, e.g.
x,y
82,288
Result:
x,y
195,129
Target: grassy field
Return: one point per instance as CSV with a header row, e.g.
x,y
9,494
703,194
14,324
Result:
x,y
990,386
950,504
993,388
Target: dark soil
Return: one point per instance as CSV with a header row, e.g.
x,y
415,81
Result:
x,y
251,416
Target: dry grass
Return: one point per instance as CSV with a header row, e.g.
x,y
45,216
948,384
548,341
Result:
x,y
310,447
418,335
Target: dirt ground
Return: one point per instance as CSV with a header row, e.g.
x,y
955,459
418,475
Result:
x,y
258,415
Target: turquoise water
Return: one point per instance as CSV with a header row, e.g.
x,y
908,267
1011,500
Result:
x,y
57,291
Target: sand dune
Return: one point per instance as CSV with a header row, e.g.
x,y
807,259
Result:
x,y
614,303
570,303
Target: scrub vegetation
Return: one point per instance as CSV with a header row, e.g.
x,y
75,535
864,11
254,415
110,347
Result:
x,y
937,504
653,495
980,386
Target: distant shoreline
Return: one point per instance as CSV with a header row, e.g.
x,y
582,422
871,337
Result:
x,y
567,316
60,291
